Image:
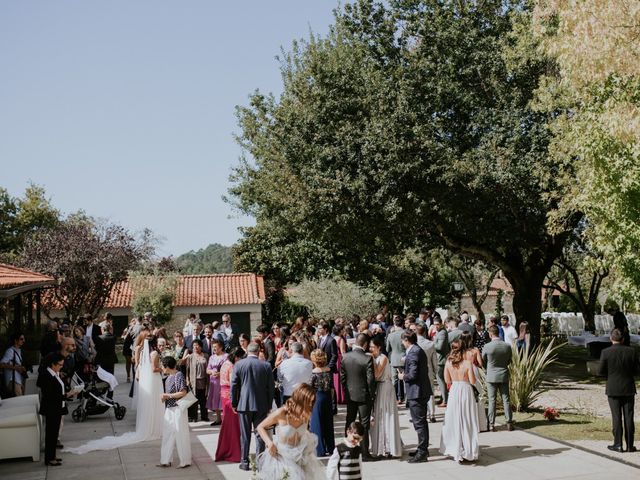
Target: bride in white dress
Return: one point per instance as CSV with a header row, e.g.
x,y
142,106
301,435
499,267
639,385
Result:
x,y
149,418
459,438
292,451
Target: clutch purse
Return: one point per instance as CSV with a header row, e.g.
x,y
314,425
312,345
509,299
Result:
x,y
186,401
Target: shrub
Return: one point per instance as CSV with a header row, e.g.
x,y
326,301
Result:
x,y
525,372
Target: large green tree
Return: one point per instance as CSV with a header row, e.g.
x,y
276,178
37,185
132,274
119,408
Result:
x,y
22,217
408,125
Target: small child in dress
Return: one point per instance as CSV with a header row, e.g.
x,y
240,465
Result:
x,y
346,461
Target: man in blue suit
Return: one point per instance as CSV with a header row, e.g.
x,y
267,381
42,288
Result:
x,y
252,389
418,392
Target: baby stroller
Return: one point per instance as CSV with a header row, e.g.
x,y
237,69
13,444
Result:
x,y
93,396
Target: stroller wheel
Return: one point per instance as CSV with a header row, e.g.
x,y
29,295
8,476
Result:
x,y
79,415
120,411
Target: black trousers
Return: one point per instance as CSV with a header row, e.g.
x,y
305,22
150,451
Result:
x,y
51,431
362,410
201,395
418,410
622,408
248,423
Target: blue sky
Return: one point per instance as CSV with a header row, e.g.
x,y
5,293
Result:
x,y
126,109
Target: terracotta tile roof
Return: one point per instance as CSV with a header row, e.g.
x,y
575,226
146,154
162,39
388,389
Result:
x,y
11,277
199,290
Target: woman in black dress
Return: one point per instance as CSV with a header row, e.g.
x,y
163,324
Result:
x,y
322,415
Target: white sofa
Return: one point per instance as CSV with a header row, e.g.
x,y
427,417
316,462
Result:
x,y
20,427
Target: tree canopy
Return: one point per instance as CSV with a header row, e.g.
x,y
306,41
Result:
x,y
215,258
408,126
86,258
597,85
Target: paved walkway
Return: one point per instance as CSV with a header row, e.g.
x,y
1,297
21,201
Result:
x,y
503,454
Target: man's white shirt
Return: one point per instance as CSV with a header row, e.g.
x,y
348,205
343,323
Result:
x,y
510,334
294,371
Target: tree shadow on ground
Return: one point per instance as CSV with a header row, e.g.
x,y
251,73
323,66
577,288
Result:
x,y
532,423
492,455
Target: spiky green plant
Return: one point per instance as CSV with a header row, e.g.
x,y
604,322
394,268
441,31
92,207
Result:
x,y
525,372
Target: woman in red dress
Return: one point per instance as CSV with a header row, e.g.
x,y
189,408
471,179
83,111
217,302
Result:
x,y
228,449
338,334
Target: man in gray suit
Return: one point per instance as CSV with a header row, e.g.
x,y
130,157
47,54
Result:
x,y
252,389
396,352
496,355
442,350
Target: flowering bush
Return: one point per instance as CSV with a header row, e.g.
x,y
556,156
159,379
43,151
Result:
x,y
551,414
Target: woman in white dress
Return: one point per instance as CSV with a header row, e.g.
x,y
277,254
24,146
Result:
x,y
149,419
459,438
291,453
385,428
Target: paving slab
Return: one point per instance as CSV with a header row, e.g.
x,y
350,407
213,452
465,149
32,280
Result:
x,y
503,455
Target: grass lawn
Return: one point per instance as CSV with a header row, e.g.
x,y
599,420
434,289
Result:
x,y
568,427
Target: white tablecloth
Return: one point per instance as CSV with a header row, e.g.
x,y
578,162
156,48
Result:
x,y
584,340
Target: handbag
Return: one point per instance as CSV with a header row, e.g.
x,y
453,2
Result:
x,y
186,401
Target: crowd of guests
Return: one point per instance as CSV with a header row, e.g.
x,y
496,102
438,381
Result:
x,y
291,378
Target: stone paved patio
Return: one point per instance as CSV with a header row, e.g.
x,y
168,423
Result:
x,y
502,455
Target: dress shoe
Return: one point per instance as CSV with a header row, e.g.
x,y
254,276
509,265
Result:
x,y
369,458
493,428
632,449
418,458
59,446
184,466
244,466
53,463
215,424
510,427
164,465
615,448
432,419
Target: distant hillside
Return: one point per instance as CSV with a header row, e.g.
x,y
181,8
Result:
x,y
215,258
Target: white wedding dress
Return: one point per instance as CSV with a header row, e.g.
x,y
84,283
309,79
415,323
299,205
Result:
x,y
296,458
149,418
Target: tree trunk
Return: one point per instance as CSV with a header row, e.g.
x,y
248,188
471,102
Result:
x,y
478,306
527,302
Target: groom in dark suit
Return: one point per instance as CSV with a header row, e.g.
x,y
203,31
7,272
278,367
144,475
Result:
x,y
252,389
619,363
359,383
416,380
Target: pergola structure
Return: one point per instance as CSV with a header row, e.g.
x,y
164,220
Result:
x,y
16,284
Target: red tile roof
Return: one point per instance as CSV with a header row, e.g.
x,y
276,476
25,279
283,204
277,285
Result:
x,y
11,277
199,290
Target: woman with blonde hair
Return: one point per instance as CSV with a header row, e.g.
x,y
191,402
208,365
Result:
x,y
291,452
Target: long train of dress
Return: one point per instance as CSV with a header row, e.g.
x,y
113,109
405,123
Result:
x,y
385,429
149,414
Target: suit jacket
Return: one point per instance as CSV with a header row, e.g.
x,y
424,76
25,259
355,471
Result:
x,y
442,346
270,351
188,340
206,348
357,376
52,395
496,356
106,351
619,363
395,348
330,347
252,385
429,348
416,375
